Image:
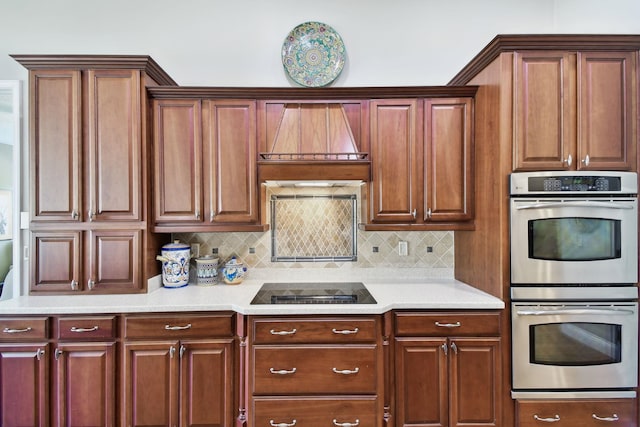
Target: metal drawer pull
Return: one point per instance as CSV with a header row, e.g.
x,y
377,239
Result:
x,y
345,331
74,329
177,328
449,325
16,331
274,424
282,371
612,418
291,332
336,423
346,371
555,419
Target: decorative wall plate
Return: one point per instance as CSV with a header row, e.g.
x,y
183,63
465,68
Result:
x,y
313,54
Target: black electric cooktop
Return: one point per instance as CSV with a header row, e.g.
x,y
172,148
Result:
x,y
313,293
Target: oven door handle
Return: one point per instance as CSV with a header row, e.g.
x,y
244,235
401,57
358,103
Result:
x,y
586,311
568,204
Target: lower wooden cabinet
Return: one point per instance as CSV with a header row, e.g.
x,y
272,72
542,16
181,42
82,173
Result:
x,y
583,413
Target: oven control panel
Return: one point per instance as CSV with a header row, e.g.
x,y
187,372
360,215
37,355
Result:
x,y
572,182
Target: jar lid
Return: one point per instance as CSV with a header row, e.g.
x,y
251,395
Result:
x,y
176,246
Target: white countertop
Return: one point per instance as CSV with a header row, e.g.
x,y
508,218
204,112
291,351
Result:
x,y
411,293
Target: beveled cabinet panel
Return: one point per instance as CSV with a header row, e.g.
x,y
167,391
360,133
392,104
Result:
x,y
55,128
57,261
115,257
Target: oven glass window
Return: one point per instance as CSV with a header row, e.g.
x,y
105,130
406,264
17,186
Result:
x,y
575,343
574,239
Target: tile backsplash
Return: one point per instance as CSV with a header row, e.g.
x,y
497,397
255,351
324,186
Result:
x,y
375,249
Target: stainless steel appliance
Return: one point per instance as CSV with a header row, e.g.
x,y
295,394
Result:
x,y
313,293
574,228
574,272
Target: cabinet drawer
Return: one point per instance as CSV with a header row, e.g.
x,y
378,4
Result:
x,y
315,369
570,413
319,330
23,328
85,328
309,411
178,326
446,324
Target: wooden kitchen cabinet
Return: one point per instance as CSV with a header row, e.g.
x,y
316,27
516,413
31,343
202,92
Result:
x,y
422,163
447,369
321,369
583,412
178,370
88,181
575,110
24,371
205,173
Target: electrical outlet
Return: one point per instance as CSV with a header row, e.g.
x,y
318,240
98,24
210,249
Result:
x,y
403,248
195,250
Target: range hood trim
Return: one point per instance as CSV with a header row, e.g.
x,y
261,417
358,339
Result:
x,y
301,170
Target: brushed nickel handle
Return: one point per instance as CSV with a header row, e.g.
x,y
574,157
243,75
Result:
x,y
414,213
353,424
569,160
586,160
346,371
448,325
454,348
290,332
57,354
612,418
172,351
92,214
445,349
39,354
212,215
74,214
345,331
274,424
80,330
74,285
16,331
282,371
198,214
555,418
177,328
91,283
182,350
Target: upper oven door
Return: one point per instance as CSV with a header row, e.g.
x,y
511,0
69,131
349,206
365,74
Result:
x,y
574,241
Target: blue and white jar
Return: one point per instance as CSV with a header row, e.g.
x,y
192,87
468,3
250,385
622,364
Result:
x,y
175,264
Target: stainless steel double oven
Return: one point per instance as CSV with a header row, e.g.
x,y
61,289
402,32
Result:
x,y
574,274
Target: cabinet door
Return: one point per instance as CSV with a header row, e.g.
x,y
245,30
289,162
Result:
x,y
607,110
24,389
544,111
395,157
475,382
84,384
448,159
207,386
230,184
114,145
55,133
114,259
56,263
421,382
150,384
178,161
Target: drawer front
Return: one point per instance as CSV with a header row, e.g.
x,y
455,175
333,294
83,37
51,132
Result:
x,y
86,328
570,413
315,369
23,328
319,330
178,326
316,412
446,324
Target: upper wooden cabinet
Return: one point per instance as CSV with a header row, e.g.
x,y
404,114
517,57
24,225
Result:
x,y
205,165
574,110
422,163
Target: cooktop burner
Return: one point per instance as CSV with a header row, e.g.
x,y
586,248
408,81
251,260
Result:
x,y
313,293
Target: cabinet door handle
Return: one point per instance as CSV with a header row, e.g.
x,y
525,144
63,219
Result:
x,y
612,418
568,160
346,371
39,354
74,285
16,331
291,332
177,328
445,349
74,214
428,213
92,215
586,160
80,330
172,352
353,424
57,354
274,424
449,325
454,348
555,418
282,371
345,331
182,350
91,283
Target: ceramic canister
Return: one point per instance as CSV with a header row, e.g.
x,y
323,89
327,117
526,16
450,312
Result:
x,y
206,270
175,264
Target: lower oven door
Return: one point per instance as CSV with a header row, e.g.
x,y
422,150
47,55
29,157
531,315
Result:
x,y
573,346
